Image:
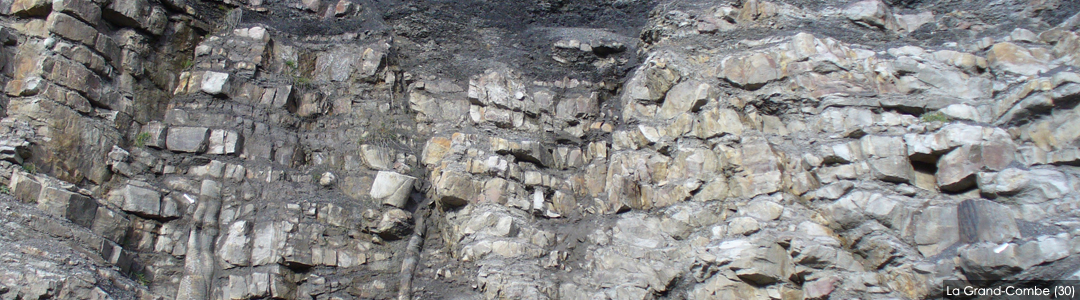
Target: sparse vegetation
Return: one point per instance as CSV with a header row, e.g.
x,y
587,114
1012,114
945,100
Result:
x,y
302,82
298,81
936,116
5,190
315,177
186,64
29,168
141,278
141,139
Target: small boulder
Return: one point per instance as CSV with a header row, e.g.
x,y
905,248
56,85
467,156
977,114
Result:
x,y
391,188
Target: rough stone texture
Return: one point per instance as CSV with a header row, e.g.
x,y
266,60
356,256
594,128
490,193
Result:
x,y
187,139
215,83
392,188
140,200
535,149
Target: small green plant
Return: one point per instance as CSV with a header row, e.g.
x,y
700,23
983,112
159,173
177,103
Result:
x,y
186,64
5,190
936,116
315,177
303,83
291,64
141,139
30,168
141,278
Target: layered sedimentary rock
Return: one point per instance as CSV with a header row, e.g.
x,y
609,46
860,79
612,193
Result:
x,y
546,149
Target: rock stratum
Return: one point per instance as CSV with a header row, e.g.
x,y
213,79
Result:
x,y
537,149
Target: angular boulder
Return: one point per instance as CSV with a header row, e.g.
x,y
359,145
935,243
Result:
x,y
989,261
871,13
1010,58
985,221
392,189
215,83
141,201
187,139
936,228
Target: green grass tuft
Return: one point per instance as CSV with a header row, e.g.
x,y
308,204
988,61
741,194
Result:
x,y
141,278
141,139
936,116
30,168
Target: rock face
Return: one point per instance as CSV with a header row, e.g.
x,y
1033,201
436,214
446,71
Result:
x,y
592,149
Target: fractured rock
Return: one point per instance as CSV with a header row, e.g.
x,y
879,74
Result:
x,y
392,188
988,261
187,139
1010,58
141,201
215,83
872,13
985,221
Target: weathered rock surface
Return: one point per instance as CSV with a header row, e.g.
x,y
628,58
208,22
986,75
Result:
x,y
504,149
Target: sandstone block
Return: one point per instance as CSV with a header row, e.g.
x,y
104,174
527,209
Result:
x,y
456,189
988,261
378,158
435,149
985,221
24,187
1010,58
31,8
110,224
225,142
936,228
155,134
687,96
141,201
392,189
235,249
187,139
215,83
751,72
71,28
395,224
136,14
872,13
893,169
85,10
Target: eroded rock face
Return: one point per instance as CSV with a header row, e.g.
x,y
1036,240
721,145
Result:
x,y
535,149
